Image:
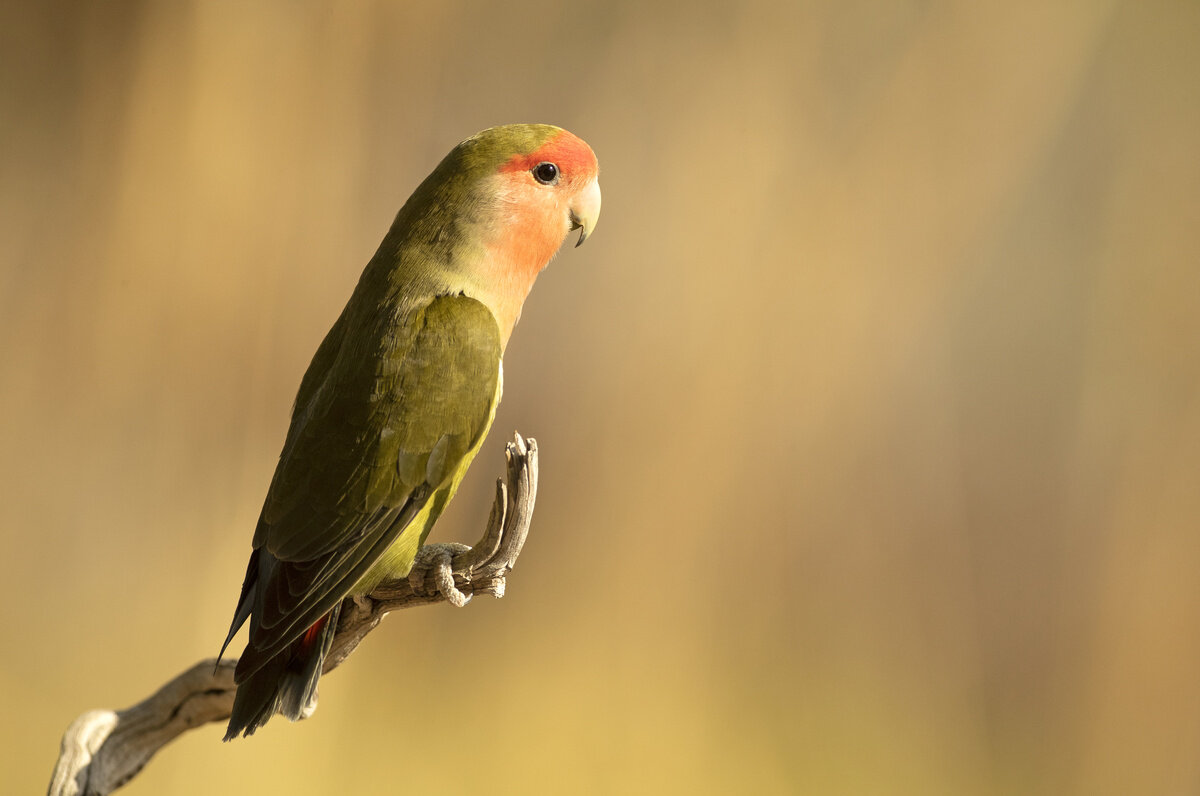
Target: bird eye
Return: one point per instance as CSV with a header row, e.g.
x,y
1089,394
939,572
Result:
x,y
545,173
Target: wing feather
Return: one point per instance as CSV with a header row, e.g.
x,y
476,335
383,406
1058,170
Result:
x,y
372,439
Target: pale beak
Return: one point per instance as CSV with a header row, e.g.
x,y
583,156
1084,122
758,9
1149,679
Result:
x,y
585,210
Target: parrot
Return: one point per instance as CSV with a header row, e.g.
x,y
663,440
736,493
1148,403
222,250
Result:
x,y
398,399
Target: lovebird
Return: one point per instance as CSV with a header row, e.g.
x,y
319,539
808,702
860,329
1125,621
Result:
x,y
398,398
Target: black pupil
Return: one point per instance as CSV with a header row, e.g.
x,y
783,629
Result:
x,y
545,172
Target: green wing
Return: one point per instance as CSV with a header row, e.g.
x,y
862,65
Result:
x,y
371,440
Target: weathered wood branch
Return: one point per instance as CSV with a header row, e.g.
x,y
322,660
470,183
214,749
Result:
x,y
104,749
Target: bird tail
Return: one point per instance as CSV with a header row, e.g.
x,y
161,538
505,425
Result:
x,y
287,683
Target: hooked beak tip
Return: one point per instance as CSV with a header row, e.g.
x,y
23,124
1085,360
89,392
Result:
x,y
585,212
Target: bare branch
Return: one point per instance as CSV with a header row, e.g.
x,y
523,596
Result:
x,y
104,749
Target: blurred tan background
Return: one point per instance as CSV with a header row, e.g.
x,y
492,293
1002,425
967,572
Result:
x,y
870,416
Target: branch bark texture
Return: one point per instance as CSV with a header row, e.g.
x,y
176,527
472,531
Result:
x,y
104,749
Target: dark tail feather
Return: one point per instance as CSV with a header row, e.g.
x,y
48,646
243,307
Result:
x,y
285,684
244,606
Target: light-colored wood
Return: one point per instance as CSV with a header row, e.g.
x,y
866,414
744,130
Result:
x,y
103,749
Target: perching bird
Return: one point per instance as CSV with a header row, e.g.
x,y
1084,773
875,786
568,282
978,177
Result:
x,y
399,397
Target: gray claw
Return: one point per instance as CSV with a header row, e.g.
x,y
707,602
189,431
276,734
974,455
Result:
x,y
438,560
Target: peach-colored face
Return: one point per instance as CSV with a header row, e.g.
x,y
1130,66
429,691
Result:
x,y
540,198
546,194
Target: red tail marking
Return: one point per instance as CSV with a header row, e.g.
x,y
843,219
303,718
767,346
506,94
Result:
x,y
313,633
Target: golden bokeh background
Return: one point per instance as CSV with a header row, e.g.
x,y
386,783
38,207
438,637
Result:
x,y
869,416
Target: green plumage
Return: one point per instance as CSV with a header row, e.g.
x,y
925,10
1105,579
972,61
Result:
x,y
397,400
381,432
392,409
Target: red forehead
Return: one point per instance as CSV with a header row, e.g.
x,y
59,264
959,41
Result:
x,y
565,150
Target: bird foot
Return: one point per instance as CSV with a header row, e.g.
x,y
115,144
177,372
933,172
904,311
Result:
x,y
436,561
